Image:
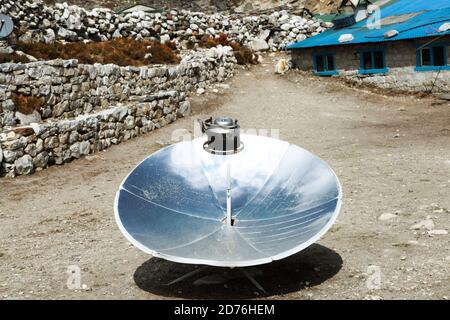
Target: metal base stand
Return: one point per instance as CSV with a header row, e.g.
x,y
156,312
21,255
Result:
x,y
186,276
198,270
253,281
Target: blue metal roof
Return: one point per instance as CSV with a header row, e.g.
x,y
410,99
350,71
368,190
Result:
x,y
430,16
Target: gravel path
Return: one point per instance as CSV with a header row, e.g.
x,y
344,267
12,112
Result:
x,y
391,153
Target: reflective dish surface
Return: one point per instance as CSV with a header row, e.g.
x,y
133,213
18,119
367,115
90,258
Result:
x,y
173,204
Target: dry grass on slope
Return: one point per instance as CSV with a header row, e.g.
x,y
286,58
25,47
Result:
x,y
244,55
123,52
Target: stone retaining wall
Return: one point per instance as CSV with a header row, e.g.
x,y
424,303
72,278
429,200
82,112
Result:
x,y
33,148
69,89
77,119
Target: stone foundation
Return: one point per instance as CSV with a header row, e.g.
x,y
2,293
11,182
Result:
x,y
404,80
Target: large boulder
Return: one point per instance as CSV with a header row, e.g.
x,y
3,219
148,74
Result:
x,y
258,45
66,34
41,160
85,148
24,165
286,26
26,119
9,118
184,109
24,131
9,156
49,36
301,37
164,38
60,108
264,34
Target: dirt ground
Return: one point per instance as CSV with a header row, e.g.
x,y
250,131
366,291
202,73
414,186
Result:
x,y
391,153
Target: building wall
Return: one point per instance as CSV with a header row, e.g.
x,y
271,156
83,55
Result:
x,y
401,59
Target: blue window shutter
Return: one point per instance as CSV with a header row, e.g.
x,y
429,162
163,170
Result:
x,y
432,57
372,54
418,57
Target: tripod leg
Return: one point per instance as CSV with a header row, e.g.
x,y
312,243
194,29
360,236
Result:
x,y
187,275
252,280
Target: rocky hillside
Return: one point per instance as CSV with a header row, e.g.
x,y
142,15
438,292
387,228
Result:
x,y
244,6
37,22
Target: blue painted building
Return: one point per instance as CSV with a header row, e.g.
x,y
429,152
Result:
x,y
411,35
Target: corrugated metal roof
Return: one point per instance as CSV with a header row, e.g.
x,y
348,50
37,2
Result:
x,y
430,16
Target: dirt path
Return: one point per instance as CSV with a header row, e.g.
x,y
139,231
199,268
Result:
x,y
392,155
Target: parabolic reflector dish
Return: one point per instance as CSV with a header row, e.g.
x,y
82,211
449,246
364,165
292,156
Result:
x,y
174,204
6,26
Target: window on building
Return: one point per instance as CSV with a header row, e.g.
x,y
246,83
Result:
x,y
324,64
367,63
432,58
439,56
378,60
426,57
330,63
320,64
373,61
